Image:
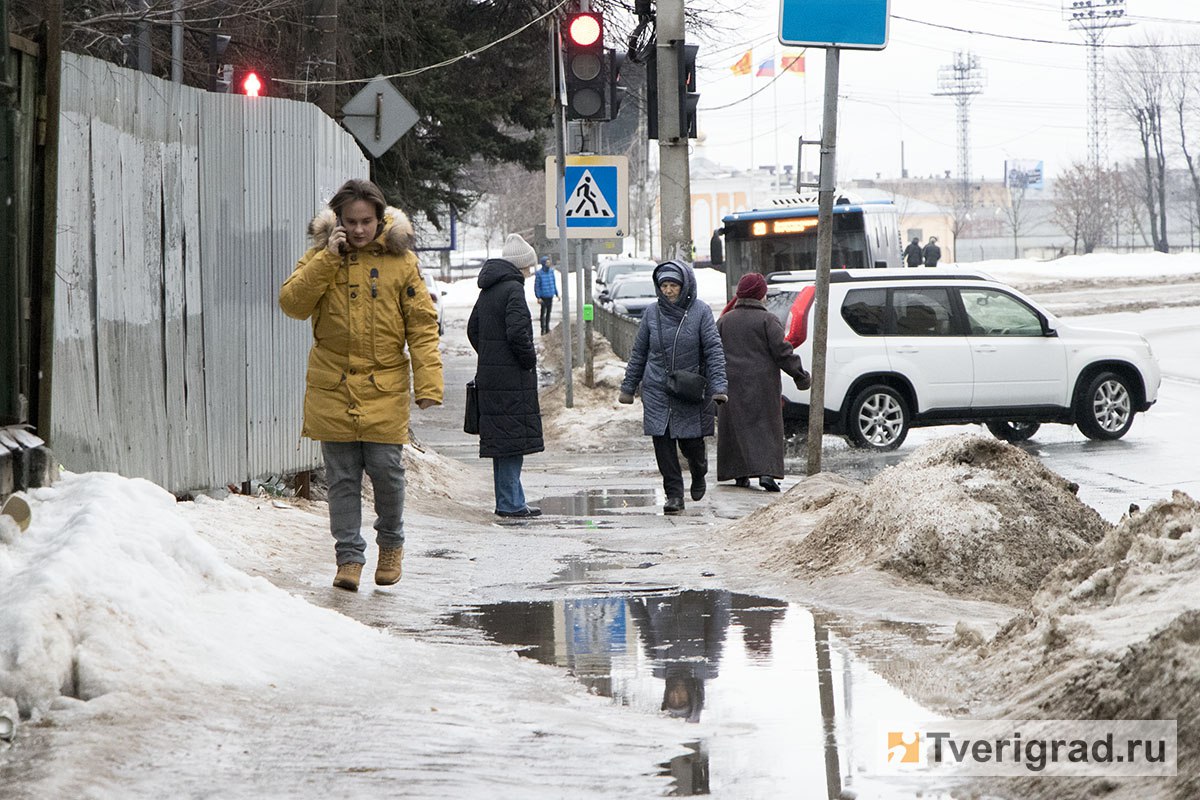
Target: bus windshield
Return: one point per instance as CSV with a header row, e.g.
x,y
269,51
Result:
x,y
796,252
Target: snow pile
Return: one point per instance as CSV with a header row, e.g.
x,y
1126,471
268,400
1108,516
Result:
x,y
109,590
596,420
1115,634
1090,267
970,515
435,483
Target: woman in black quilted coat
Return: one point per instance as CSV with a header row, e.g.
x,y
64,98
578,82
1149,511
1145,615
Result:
x,y
501,331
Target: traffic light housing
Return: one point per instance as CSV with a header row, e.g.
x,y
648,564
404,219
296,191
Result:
x,y
689,98
616,92
586,66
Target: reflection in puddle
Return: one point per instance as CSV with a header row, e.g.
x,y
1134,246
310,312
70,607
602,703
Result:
x,y
774,689
600,501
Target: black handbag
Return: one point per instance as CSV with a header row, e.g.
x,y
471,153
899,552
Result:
x,y
471,417
683,385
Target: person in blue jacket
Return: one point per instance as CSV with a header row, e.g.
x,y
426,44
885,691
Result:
x,y
545,289
678,333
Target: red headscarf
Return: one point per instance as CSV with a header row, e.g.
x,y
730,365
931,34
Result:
x,y
752,286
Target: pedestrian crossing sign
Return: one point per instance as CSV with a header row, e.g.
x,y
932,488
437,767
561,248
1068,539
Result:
x,y
597,197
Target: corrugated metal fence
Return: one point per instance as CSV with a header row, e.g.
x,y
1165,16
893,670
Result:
x,y
180,214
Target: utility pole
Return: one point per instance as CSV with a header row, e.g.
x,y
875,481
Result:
x,y
559,96
1094,18
675,192
322,52
962,80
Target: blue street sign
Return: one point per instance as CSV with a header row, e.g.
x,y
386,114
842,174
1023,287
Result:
x,y
850,24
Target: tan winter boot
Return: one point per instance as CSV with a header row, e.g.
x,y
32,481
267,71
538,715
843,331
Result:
x,y
388,570
347,576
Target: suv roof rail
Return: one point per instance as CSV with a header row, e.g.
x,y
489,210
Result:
x,y
868,275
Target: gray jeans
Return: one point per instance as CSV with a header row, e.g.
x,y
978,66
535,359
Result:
x,y
344,466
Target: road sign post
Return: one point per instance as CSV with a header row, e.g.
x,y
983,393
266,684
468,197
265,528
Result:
x,y
378,116
833,25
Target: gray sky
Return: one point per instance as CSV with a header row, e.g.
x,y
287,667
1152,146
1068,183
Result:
x,y
1033,106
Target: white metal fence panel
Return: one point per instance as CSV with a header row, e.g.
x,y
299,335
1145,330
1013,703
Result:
x,y
180,214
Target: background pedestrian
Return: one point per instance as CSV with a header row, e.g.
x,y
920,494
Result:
x,y
932,252
545,289
501,331
678,333
361,286
912,253
750,426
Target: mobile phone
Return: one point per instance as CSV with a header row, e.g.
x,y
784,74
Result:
x,y
341,245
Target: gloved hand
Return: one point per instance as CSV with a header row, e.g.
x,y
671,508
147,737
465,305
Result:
x,y
720,398
625,399
804,382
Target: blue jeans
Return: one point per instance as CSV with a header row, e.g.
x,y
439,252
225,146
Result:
x,y
345,463
506,475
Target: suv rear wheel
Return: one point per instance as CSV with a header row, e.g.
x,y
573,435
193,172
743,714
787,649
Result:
x,y
1105,409
877,419
1009,431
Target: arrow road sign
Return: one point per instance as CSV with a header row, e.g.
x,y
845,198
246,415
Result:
x,y
597,192
378,116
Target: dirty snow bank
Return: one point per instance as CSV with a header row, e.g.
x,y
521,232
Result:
x,y
200,679
110,591
1113,634
969,515
596,421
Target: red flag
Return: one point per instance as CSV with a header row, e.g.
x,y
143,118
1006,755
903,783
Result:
x,y
793,62
743,65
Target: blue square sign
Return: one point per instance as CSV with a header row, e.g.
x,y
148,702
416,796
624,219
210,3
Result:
x,y
591,196
850,24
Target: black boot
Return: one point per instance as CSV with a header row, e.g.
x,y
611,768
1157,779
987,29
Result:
x,y
699,487
674,505
768,483
742,483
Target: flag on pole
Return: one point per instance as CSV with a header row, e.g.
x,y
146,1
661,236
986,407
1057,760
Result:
x,y
742,65
766,69
793,61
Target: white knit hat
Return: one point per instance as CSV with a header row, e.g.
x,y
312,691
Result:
x,y
518,252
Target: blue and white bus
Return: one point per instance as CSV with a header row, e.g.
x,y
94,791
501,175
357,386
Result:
x,y
783,238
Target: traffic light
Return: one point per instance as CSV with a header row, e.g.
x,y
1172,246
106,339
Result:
x,y
689,98
616,92
585,64
247,81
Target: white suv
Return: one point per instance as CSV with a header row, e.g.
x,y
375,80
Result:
x,y
923,347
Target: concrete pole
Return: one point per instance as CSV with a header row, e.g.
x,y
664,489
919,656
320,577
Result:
x,y
675,193
828,180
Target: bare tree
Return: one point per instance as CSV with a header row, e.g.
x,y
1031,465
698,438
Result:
x,y
1016,214
1142,77
1184,96
1086,205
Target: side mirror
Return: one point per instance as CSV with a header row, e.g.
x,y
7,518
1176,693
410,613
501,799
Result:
x,y
444,292
1048,328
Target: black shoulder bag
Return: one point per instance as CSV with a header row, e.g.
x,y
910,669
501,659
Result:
x,y
471,418
682,384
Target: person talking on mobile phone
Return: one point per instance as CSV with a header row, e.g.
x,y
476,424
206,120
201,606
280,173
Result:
x,y
360,286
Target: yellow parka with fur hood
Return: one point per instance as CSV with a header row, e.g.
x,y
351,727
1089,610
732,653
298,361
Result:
x,y
365,306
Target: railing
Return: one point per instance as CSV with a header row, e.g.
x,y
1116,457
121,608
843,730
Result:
x,y
620,330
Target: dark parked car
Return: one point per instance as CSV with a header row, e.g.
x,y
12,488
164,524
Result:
x,y
631,295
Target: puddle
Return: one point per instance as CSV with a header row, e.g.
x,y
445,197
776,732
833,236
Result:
x,y
593,502
782,701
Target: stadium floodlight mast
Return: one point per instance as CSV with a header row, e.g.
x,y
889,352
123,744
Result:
x,y
962,80
1094,18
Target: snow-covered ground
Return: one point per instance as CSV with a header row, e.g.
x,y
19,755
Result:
x,y
163,649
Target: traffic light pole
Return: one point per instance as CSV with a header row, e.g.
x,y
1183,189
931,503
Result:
x,y
816,398
560,143
675,193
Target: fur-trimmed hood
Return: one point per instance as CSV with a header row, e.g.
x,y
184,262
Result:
x,y
397,236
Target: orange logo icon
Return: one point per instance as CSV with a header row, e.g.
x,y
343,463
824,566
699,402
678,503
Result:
x,y
903,747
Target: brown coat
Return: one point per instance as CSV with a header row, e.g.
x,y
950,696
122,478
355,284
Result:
x,y
750,425
373,321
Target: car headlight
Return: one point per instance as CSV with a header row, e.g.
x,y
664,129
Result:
x,y
621,308
1146,342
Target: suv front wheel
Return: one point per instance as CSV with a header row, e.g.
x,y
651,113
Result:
x,y
877,419
1105,409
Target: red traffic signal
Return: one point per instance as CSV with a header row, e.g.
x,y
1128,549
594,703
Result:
x,y
584,29
251,85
